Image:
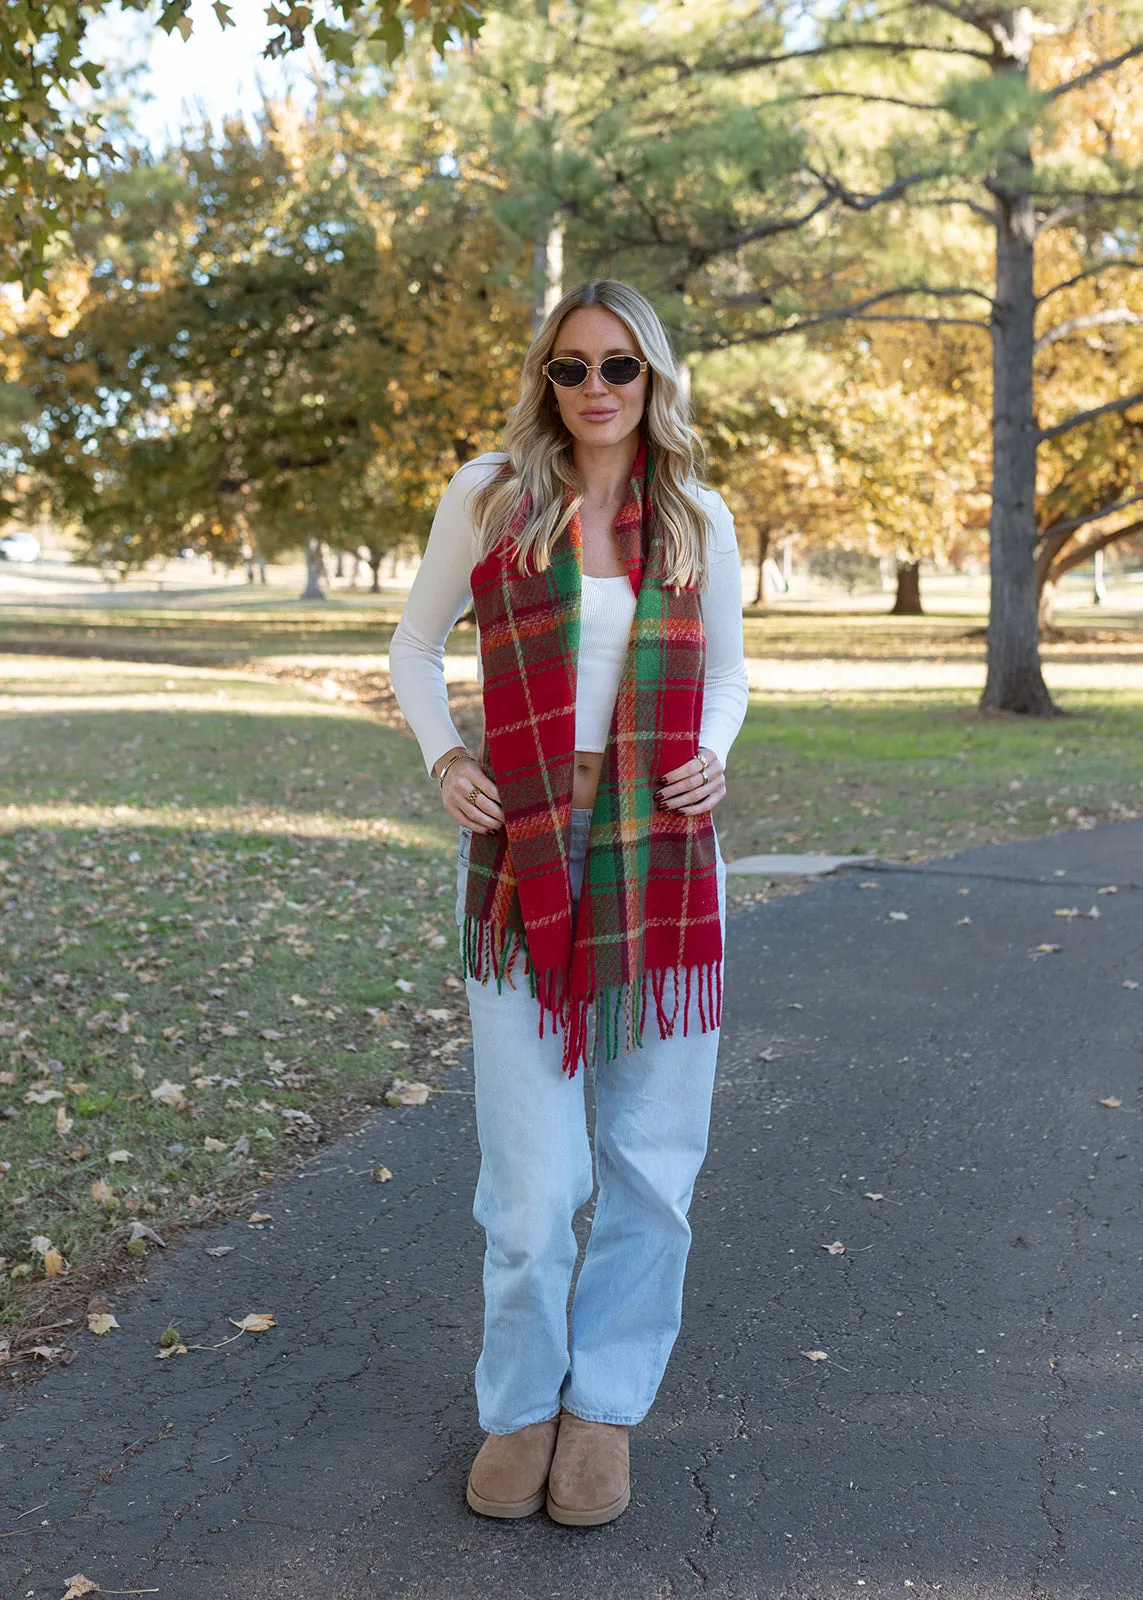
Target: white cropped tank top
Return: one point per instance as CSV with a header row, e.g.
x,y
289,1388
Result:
x,y
607,609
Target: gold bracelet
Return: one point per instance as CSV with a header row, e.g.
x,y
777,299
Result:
x,y
448,764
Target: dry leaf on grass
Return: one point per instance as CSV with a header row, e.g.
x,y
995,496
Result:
x,y
407,1094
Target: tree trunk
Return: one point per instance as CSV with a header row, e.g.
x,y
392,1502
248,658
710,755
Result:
x,y
1047,603
375,569
315,571
908,601
762,595
1015,681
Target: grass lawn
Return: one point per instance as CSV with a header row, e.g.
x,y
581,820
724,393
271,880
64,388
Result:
x,y
226,924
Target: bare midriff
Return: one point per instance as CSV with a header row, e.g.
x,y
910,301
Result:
x,y
585,780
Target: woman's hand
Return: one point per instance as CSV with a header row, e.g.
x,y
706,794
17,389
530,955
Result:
x,y
464,777
684,788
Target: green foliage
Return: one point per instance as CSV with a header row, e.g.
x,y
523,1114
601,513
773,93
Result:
x,y
48,138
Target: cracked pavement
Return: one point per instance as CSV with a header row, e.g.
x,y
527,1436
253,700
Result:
x,y
973,1431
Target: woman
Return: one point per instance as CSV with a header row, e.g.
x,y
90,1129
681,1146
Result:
x,y
588,865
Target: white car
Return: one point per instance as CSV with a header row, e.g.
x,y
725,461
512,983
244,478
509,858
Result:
x,y
19,547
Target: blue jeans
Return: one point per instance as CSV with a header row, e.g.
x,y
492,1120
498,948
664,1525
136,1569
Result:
x,y
652,1118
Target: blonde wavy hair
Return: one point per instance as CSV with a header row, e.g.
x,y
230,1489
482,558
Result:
x,y
539,448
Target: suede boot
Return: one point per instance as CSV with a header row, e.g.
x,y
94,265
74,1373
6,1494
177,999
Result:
x,y
590,1477
510,1473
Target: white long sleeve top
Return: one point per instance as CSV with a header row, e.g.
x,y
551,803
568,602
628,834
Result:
x,y
441,592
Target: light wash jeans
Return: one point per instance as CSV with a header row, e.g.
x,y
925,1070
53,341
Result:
x,y
652,1118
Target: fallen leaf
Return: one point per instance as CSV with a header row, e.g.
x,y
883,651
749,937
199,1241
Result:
x,y
898,916
169,1094
260,1216
1110,888
815,1355
1047,949
101,1322
868,1194
963,922
78,1586
140,1230
381,1174
40,1097
53,1263
220,1250
1112,1100
405,986
214,1145
835,1249
119,1155
1130,983
407,1094
255,1322
769,1054
101,1191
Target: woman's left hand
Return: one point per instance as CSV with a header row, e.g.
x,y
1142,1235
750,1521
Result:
x,y
685,788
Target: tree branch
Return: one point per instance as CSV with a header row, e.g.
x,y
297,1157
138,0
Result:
x,y
897,47
855,94
989,213
1089,272
1093,319
1077,557
1098,71
1088,416
1072,523
842,313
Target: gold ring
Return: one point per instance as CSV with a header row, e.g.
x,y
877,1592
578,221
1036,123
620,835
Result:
x,y
474,795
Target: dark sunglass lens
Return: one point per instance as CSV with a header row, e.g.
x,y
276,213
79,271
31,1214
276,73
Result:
x,y
567,371
620,369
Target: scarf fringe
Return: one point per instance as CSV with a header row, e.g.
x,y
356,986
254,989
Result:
x,y
621,1009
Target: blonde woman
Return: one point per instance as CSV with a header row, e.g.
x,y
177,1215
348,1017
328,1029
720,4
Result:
x,y
590,884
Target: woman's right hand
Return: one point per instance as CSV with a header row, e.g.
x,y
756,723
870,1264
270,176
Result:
x,y
482,815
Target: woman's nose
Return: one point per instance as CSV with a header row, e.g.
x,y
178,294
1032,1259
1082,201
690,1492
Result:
x,y
594,384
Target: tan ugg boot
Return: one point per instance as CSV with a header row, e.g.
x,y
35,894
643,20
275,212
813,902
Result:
x,y
590,1477
510,1473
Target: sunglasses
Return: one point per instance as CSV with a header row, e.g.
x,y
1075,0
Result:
x,y
569,371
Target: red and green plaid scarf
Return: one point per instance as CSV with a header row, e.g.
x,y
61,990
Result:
x,y
649,903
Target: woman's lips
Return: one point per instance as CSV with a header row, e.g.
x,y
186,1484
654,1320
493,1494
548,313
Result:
x,y
598,416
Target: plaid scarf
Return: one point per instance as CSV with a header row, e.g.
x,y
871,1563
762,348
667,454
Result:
x,y
649,903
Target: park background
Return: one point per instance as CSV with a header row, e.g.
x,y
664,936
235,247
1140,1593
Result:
x,y
246,340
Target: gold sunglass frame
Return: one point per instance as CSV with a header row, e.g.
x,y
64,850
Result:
x,y
643,366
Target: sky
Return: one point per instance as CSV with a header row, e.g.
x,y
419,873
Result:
x,y
216,72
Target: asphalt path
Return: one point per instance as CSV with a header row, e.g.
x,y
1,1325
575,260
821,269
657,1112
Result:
x,y
973,1431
